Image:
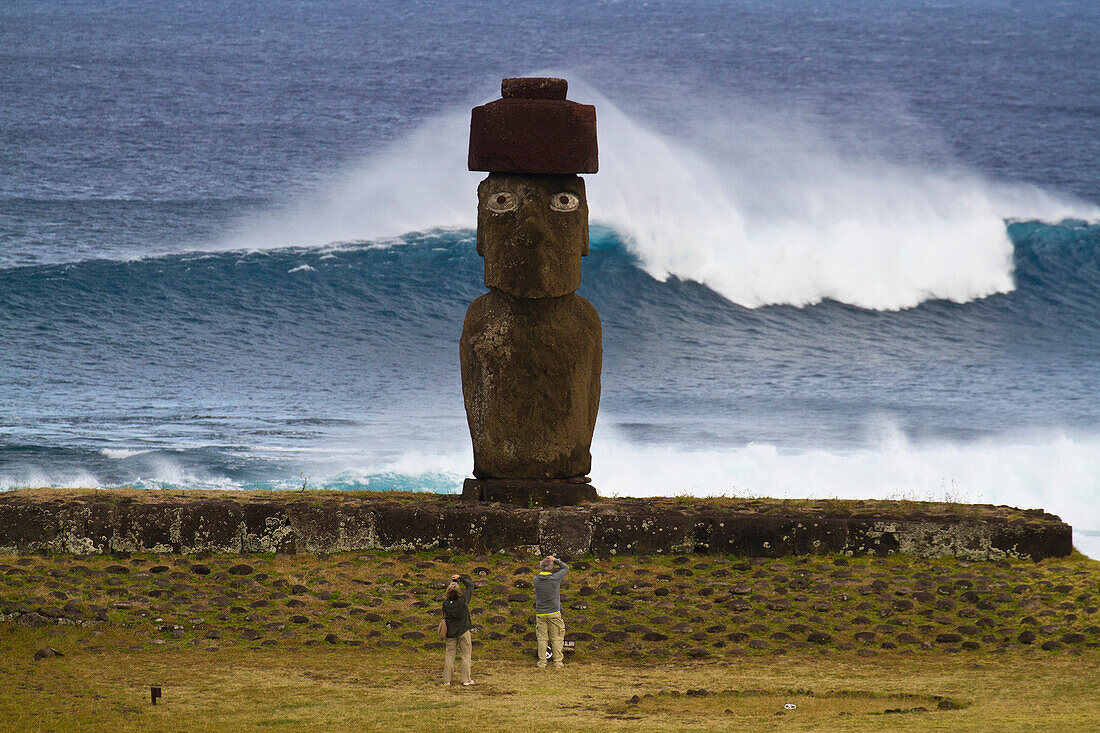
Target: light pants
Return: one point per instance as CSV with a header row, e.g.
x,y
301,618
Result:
x,y
462,643
549,625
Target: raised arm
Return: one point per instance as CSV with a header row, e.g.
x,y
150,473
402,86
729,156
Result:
x,y
468,584
561,570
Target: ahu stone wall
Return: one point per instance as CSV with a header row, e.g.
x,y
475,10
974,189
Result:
x,y
108,521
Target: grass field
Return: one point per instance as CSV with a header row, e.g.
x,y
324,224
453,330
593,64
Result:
x,y
337,688
663,643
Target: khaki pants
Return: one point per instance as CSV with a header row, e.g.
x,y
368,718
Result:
x,y
462,643
549,625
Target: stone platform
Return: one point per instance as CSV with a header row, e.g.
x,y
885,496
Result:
x,y
88,522
530,492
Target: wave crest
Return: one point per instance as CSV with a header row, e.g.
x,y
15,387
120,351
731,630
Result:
x,y
763,212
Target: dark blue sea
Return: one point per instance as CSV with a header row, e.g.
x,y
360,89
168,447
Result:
x,y
840,249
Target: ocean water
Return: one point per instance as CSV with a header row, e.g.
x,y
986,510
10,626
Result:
x,y
840,249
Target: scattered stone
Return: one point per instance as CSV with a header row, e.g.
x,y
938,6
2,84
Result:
x,y
46,652
33,619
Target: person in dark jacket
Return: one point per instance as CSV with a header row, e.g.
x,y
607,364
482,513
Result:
x,y
456,611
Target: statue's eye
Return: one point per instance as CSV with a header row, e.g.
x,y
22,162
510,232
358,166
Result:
x,y
564,201
501,201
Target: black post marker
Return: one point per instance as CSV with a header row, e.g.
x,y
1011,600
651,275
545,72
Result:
x,y
154,693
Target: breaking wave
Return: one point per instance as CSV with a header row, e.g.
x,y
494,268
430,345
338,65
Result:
x,y
759,211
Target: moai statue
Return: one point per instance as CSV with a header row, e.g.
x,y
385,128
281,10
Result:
x,y
531,347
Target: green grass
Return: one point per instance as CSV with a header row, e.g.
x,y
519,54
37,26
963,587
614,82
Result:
x,y
249,650
337,688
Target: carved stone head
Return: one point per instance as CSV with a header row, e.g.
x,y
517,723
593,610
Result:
x,y
532,231
532,216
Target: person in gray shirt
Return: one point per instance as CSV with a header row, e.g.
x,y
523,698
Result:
x,y
548,621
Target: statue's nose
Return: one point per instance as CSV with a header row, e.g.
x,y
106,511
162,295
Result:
x,y
533,232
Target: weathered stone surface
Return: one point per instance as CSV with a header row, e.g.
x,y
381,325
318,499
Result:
x,y
306,527
565,533
775,536
532,232
533,129
533,87
531,348
33,619
972,538
46,652
480,529
641,531
531,383
530,492
365,521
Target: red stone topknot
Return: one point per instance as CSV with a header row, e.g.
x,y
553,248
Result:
x,y
533,128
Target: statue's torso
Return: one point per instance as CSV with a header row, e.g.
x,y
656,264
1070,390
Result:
x,y
531,382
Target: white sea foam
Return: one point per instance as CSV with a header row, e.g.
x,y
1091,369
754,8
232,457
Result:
x,y
760,205
37,478
121,453
157,471
419,182
1054,471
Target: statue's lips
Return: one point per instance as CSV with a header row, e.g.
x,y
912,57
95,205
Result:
x,y
537,252
526,243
